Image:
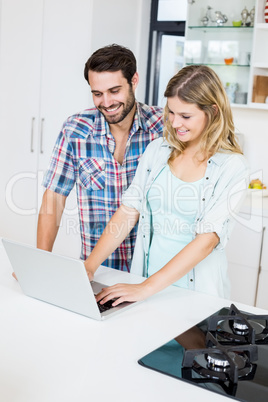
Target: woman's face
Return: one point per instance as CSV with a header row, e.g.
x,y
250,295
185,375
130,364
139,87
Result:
x,y
187,119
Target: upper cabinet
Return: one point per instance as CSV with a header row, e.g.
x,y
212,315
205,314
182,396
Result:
x,y
231,38
44,45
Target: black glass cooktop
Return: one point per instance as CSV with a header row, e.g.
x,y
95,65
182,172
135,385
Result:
x,y
227,353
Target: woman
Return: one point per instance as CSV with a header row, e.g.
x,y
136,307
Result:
x,y
185,194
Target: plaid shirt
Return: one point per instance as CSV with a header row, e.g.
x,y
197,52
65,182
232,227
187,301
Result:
x,y
83,155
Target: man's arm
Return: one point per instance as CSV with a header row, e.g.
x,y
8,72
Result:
x,y
49,219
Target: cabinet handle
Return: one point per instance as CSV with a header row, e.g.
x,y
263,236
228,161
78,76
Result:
x,y
259,268
32,134
41,136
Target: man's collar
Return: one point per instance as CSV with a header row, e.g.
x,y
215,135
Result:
x,y
137,121
101,127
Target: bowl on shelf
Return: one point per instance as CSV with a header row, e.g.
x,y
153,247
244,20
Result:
x,y
229,60
237,23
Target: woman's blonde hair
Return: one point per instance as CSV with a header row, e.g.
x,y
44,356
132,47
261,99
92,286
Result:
x,y
201,86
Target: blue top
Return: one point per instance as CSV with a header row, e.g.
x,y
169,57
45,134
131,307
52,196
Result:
x,y
174,205
224,188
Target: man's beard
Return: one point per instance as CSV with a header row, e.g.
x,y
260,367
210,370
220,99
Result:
x,y
130,102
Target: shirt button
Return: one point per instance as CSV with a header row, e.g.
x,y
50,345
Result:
x,y
209,161
191,280
203,199
207,178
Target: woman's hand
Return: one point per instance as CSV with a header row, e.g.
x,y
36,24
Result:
x,y
14,276
90,273
122,292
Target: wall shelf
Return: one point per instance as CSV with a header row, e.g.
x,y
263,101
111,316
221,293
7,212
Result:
x,y
220,27
211,44
221,65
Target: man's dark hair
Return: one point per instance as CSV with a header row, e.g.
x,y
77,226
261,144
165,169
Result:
x,y
112,58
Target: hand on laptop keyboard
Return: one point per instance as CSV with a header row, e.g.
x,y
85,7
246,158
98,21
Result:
x,y
124,292
106,306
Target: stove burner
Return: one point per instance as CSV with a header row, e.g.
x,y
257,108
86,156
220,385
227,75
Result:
x,y
237,327
240,328
219,362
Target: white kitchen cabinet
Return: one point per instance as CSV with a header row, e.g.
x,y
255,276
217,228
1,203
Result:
x,y
44,45
20,63
247,254
211,44
243,255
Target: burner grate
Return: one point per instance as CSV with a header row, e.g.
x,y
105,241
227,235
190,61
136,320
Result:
x,y
240,327
234,360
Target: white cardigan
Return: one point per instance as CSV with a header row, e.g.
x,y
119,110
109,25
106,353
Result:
x,y
225,185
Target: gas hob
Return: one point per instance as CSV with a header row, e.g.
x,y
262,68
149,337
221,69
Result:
x,y
227,353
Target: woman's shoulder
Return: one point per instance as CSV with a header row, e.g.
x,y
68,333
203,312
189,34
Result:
x,y
158,145
155,154
230,158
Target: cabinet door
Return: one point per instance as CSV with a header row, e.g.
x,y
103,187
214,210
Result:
x,y
44,46
243,255
64,91
20,58
65,50
262,298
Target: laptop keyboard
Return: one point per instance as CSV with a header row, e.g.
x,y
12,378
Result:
x,y
106,306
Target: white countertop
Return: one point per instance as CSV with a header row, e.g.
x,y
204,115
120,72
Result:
x,y
49,354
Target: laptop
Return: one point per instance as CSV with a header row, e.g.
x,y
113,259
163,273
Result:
x,y
58,280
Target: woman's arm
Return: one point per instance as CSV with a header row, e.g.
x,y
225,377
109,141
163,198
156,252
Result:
x,y
116,231
175,269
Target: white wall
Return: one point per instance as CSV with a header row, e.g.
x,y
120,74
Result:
x,y
253,124
125,22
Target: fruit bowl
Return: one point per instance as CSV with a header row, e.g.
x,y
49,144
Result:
x,y
229,61
256,187
256,184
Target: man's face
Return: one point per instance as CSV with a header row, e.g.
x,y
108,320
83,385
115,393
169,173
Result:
x,y
112,94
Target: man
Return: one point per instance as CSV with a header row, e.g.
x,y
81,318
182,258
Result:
x,y
99,150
